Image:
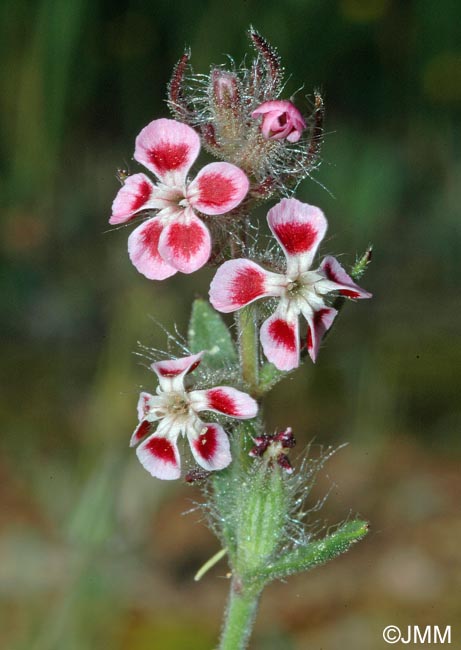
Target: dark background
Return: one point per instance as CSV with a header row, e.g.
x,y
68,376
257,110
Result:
x,y
94,553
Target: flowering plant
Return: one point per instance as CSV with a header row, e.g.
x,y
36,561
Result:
x,y
254,497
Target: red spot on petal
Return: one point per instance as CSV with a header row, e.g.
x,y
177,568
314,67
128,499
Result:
x,y
207,444
150,236
142,430
165,371
143,193
185,239
167,156
145,404
318,319
215,189
162,449
219,400
349,293
296,237
248,284
283,334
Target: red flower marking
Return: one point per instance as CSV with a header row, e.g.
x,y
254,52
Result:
x,y
142,196
163,449
165,371
296,237
206,444
143,429
185,239
150,236
215,189
167,157
318,321
145,404
349,293
247,285
283,334
221,401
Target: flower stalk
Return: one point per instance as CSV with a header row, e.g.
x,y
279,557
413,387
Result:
x,y
239,618
247,334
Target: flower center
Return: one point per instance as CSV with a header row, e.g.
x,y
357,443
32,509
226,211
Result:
x,y
177,404
294,287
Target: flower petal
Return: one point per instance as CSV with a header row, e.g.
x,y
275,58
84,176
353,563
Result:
x,y
133,197
226,400
185,243
168,148
344,284
141,431
218,188
171,373
280,341
211,448
144,253
160,457
321,321
145,403
299,228
239,282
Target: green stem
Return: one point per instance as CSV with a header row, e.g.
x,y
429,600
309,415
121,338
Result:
x,y
248,347
243,602
240,615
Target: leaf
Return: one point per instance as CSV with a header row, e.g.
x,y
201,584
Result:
x,y
317,552
207,331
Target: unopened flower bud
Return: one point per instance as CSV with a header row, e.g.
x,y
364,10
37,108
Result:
x,y
284,462
226,91
272,448
286,438
281,120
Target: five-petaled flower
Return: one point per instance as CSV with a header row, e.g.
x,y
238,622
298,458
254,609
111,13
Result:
x,y
175,239
176,409
281,120
299,228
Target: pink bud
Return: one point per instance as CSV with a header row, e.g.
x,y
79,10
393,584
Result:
x,y
225,88
281,120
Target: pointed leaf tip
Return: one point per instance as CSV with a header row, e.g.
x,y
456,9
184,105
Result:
x,y
208,331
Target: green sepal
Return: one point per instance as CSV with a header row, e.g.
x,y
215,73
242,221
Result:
x,y
361,263
207,331
313,554
262,517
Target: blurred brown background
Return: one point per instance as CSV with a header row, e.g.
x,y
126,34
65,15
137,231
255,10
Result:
x,y
94,553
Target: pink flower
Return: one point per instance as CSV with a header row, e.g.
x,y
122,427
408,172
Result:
x,y
175,239
281,119
176,411
299,228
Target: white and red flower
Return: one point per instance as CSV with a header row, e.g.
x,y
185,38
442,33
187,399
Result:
x,y
175,239
176,410
299,228
281,120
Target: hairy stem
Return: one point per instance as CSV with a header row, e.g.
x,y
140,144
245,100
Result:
x,y
240,615
246,321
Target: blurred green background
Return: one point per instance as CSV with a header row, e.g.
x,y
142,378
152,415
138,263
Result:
x,y
94,553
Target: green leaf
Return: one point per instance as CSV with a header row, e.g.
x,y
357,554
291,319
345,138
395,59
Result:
x,y
317,552
207,331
